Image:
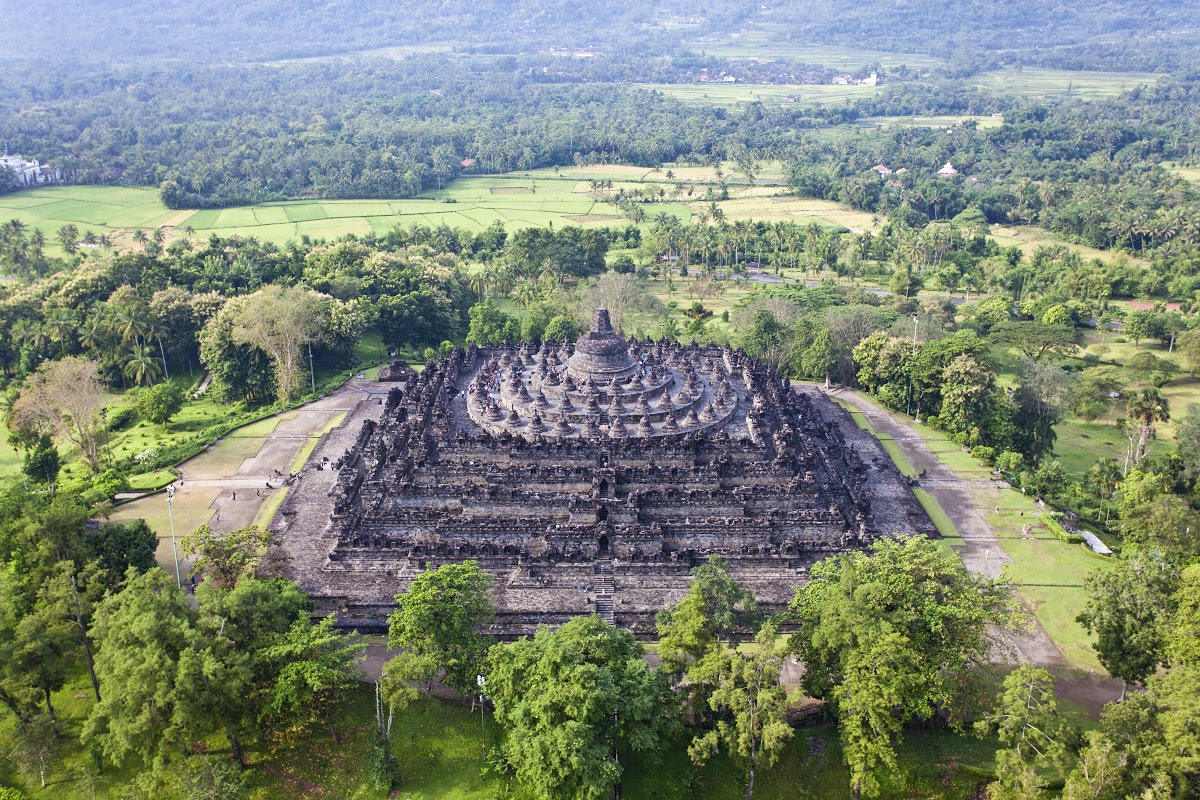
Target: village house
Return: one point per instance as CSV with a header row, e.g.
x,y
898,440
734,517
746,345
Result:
x,y
29,173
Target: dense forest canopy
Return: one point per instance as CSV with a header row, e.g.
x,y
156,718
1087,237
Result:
x,y
224,30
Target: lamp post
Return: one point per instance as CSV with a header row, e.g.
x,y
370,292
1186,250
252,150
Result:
x,y
174,545
312,370
480,681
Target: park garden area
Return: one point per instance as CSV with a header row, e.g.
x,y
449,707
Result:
x,y
437,744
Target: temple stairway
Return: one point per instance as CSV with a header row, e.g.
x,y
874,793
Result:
x,y
605,587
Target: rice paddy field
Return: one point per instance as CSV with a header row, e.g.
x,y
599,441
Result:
x,y
518,200
1045,83
734,95
945,121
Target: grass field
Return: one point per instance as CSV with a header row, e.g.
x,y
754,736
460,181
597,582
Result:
x,y
468,203
1047,83
1030,237
732,95
929,122
761,46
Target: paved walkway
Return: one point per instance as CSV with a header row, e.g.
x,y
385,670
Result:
x,y
225,487
981,552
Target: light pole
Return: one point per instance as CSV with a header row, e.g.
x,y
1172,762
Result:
x,y
174,545
312,370
918,416
480,681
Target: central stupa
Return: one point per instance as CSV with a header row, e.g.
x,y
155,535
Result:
x,y
600,354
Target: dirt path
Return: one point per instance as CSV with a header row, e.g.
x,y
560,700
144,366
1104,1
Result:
x,y
225,487
981,552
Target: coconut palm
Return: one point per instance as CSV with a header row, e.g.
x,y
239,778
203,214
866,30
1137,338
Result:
x,y
1147,407
1105,475
142,367
129,324
68,237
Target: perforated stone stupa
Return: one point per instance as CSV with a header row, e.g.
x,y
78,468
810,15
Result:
x,y
588,478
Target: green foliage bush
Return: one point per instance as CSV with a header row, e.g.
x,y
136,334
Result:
x,y
984,453
1062,533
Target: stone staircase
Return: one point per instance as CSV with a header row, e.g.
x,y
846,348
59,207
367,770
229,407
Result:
x,y
605,588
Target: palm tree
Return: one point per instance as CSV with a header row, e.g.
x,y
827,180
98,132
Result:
x,y
59,325
93,334
1105,475
129,324
68,237
1147,407
142,367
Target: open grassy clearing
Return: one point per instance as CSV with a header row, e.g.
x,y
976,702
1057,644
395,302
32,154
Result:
x,y
789,208
1046,83
761,45
733,95
1030,237
468,203
928,122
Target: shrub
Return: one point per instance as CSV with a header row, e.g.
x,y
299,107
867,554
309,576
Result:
x,y
1008,461
984,453
159,403
1062,533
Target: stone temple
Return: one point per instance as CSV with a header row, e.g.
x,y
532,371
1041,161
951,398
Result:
x,y
587,479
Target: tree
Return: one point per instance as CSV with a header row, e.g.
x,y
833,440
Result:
x,y
878,675
1144,365
560,328
1187,442
566,697
140,632
1128,609
967,388
1105,475
315,667
1091,395
1137,324
1034,339
142,366
1147,407
225,558
616,292
159,403
221,681
490,325
819,358
281,321
65,398
1183,645
1159,521
1041,400
35,747
1145,746
441,617
1188,343
752,707
902,628
42,462
1033,735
